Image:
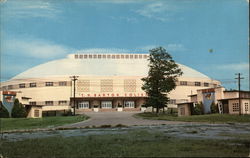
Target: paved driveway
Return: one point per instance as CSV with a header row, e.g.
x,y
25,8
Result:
x,y
115,118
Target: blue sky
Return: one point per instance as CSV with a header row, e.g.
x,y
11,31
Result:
x,y
34,32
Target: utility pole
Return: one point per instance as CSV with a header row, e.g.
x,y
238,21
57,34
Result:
x,y
239,78
74,78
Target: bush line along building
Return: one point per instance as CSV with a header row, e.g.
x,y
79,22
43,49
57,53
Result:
x,y
105,82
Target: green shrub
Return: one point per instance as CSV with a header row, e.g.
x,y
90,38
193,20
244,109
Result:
x,y
3,111
18,110
214,108
68,113
198,109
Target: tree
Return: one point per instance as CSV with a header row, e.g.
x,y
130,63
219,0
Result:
x,y
162,75
3,111
214,108
198,109
18,110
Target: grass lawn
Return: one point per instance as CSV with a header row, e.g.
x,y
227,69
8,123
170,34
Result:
x,y
31,123
211,118
135,143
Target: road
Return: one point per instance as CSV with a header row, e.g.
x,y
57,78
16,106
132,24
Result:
x,y
98,119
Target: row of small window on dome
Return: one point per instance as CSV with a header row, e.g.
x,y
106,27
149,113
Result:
x,y
111,56
50,103
68,83
205,84
37,84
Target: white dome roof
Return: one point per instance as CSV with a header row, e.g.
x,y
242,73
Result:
x,y
97,67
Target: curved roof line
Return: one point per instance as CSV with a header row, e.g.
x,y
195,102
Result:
x,y
97,67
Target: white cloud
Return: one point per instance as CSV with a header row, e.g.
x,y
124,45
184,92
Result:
x,y
169,47
35,48
154,11
29,8
234,67
158,10
117,1
128,19
175,47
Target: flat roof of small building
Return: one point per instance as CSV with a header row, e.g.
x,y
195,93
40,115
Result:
x,y
233,99
185,103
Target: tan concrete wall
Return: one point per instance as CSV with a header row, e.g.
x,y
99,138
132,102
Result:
x,y
243,101
219,94
194,99
54,108
31,113
57,93
186,108
231,95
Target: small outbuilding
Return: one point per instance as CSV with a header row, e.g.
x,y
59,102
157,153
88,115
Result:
x,y
185,109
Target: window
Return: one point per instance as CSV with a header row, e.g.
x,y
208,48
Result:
x,y
32,103
99,56
48,83
22,85
106,104
197,83
131,56
206,84
104,56
140,56
183,83
246,107
63,83
235,107
62,102
4,88
136,56
76,56
36,113
32,84
129,104
90,56
10,86
145,56
113,56
117,56
127,56
108,56
172,101
85,56
48,102
83,105
122,56
81,56
95,56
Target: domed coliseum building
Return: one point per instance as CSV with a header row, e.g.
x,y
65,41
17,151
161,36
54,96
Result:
x,y
105,82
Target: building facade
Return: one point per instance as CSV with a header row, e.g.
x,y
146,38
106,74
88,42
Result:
x,y
228,101
105,82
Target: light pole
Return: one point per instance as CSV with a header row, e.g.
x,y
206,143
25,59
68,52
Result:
x,y
74,78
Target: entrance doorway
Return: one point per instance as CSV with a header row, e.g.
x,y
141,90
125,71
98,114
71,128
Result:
x,y
106,104
83,105
129,104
